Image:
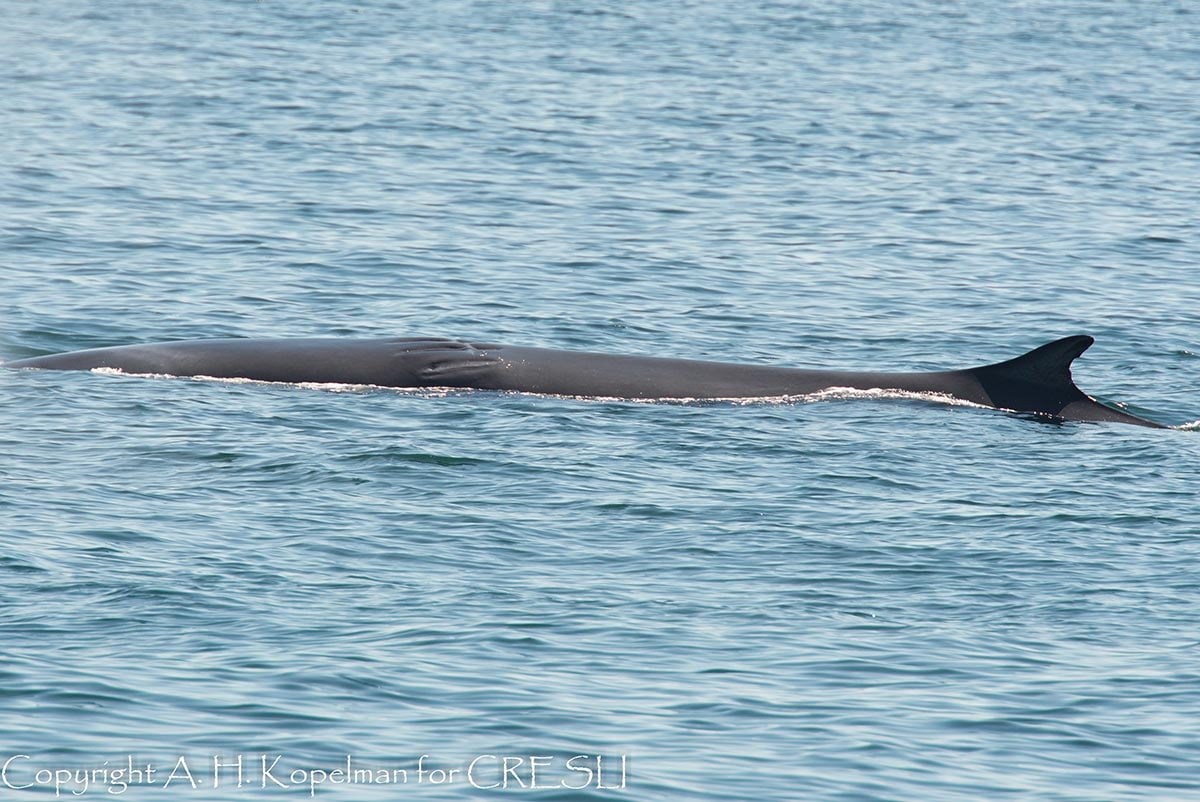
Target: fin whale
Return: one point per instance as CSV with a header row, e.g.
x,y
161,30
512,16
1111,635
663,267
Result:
x,y
1038,382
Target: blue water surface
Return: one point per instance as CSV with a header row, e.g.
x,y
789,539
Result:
x,y
840,599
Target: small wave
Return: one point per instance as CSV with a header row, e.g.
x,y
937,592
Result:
x,y
119,372
828,394
848,393
331,387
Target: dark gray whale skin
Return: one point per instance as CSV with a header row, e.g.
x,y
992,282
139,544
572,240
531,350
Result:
x,y
1038,382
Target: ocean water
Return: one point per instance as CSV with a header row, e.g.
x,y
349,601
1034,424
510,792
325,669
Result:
x,y
358,593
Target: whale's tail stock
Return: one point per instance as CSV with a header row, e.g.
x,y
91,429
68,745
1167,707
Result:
x,y
1040,382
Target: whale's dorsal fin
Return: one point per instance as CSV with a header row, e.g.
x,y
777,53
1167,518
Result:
x,y
1039,381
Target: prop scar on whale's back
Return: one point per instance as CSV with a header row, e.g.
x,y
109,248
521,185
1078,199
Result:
x,y
1038,382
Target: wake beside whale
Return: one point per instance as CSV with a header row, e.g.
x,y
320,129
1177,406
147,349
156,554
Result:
x,y
1038,382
